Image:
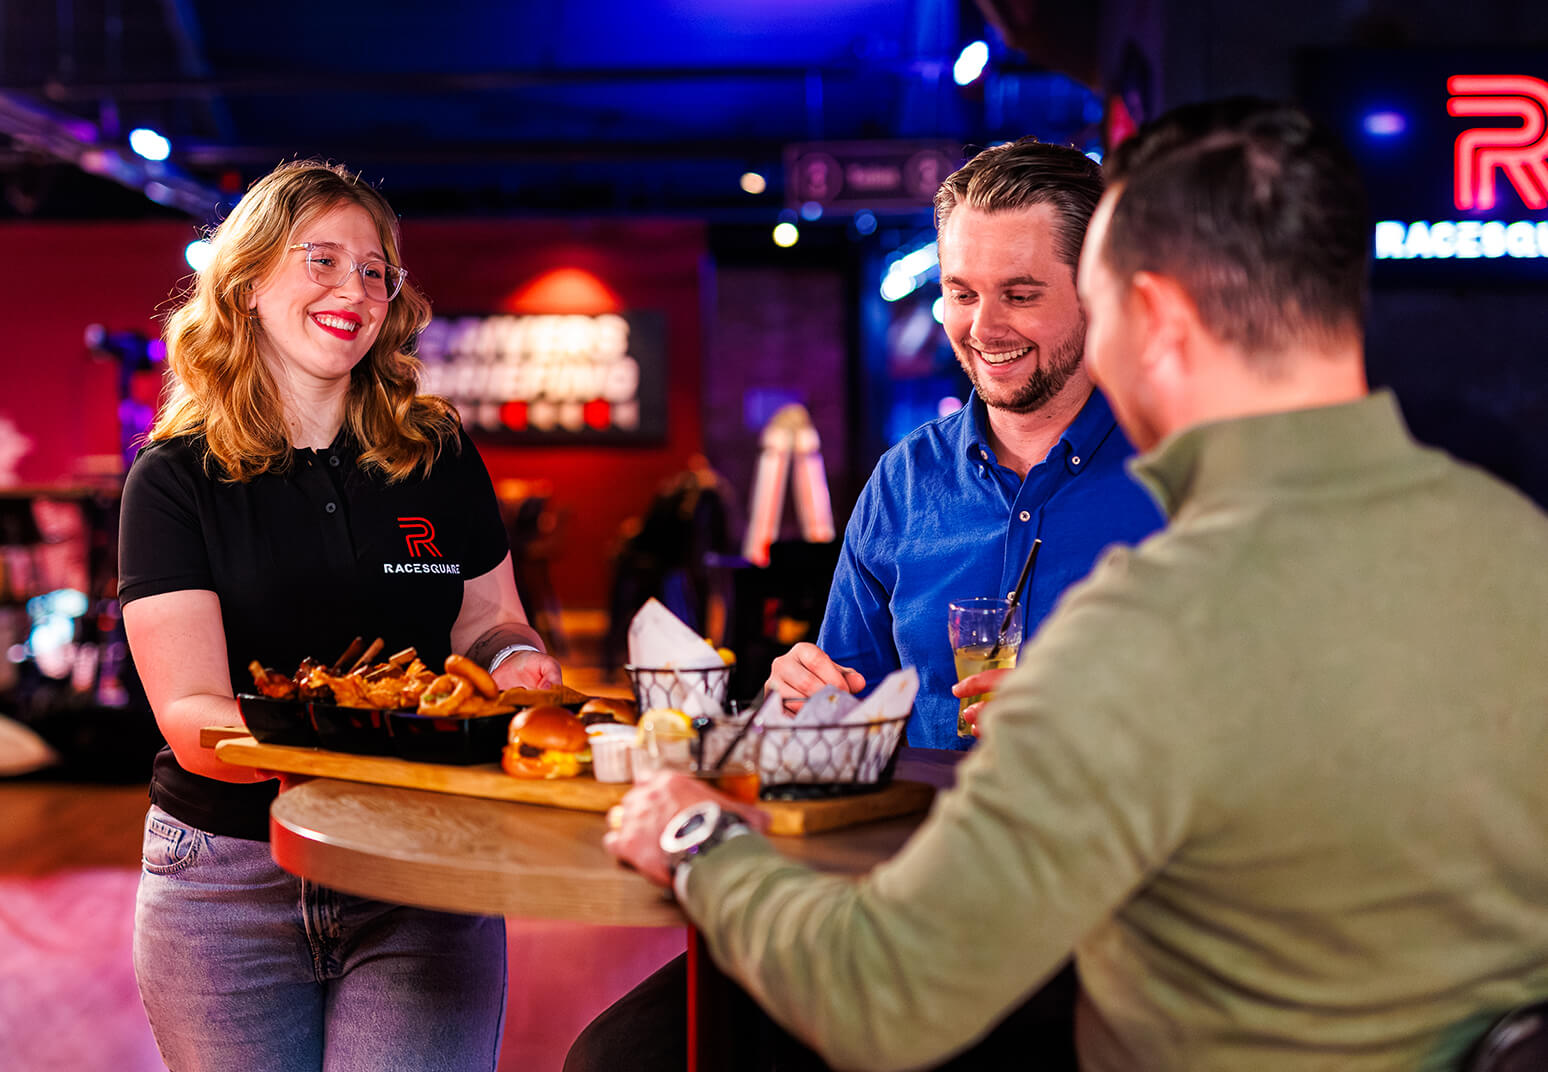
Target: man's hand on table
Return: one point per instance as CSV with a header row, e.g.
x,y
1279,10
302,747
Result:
x,y
635,825
980,684
806,668
529,670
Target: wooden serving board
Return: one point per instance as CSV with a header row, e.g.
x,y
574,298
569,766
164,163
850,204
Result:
x,y
791,818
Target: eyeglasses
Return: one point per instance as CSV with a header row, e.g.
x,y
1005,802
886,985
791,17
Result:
x,y
325,266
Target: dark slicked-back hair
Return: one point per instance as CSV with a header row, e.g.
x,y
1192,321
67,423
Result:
x,y
1024,173
1256,210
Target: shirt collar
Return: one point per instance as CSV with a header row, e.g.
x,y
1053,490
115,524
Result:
x,y
1080,440
1303,447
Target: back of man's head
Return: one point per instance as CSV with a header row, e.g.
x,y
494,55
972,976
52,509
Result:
x,y
1024,173
1256,210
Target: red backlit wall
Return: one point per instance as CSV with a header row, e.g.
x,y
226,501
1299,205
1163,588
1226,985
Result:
x,y
55,279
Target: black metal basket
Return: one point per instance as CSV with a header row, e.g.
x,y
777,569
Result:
x,y
805,762
656,686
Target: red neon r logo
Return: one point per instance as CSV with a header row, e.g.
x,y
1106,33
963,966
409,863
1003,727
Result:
x,y
1518,151
420,536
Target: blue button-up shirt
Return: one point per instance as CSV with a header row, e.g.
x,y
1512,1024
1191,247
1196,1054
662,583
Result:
x,y
940,520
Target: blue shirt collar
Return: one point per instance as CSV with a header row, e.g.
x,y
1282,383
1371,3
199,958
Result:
x,y
1093,424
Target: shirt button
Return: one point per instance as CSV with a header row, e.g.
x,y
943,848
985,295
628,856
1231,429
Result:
x,y
1025,516
333,460
1073,461
331,507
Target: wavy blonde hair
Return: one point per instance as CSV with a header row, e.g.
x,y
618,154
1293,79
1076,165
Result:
x,y
221,387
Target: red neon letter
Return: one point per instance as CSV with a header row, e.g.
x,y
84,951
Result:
x,y
1518,151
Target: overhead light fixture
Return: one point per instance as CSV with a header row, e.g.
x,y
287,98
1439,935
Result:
x,y
753,183
149,144
970,63
786,235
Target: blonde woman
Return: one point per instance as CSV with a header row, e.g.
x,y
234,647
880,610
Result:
x,y
297,491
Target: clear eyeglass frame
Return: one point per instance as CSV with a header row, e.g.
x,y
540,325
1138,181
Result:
x,y
382,287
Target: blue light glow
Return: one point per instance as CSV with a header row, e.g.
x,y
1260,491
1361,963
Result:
x,y
149,144
1385,124
970,64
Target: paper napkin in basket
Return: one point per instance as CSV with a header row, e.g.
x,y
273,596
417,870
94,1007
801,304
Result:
x,y
841,751
658,640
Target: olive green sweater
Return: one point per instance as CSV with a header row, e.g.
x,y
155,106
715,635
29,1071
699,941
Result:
x,y
1278,776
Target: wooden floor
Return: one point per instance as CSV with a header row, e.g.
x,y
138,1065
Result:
x,y
69,861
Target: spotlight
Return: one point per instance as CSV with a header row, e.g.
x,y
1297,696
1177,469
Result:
x,y
810,211
938,309
970,64
865,222
786,235
149,144
198,253
753,183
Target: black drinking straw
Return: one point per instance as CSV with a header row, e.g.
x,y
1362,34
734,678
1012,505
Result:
x,y
1015,599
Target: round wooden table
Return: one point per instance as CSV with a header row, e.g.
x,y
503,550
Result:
x,y
467,854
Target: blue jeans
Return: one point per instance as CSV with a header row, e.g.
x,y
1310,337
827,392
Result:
x,y
243,966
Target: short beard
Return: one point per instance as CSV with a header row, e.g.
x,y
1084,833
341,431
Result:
x,y
1045,381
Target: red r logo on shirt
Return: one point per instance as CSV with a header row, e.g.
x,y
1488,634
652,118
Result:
x,y
420,536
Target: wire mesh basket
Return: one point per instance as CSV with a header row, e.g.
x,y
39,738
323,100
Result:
x,y
656,686
802,762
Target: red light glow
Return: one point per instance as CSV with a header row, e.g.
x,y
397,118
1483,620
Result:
x,y
564,291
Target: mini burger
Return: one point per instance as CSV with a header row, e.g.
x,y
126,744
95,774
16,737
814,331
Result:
x,y
606,709
546,742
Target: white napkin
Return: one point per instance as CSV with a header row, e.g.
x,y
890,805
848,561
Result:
x,y
660,642
837,752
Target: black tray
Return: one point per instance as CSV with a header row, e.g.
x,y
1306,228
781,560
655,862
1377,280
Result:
x,y
273,721
360,731
461,740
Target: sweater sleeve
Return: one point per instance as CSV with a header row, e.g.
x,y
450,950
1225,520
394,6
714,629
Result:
x,y
1069,803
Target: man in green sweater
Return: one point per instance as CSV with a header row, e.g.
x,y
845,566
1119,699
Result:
x,y
1276,776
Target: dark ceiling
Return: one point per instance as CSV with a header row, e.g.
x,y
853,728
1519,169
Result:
x,y
469,107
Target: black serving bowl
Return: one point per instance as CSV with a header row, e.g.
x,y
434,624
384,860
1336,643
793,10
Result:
x,y
461,740
361,731
278,721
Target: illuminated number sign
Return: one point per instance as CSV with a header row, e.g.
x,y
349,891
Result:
x,y
1454,149
553,380
882,176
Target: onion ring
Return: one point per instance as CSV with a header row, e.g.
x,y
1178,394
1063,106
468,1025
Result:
x,y
444,695
462,666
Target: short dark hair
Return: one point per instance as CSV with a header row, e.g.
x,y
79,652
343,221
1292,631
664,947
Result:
x,y
1024,173
1256,209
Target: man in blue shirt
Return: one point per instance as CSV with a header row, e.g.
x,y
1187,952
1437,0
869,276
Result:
x,y
951,511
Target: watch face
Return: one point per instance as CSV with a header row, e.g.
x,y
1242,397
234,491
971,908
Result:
x,y
690,827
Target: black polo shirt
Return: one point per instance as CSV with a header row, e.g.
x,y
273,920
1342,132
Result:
x,y
303,562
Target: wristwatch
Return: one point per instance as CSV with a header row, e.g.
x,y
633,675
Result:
x,y
694,831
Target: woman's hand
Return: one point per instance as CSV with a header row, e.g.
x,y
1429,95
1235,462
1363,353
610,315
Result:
x,y
529,670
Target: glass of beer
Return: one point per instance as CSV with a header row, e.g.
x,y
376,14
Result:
x,y
978,644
